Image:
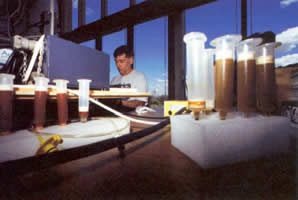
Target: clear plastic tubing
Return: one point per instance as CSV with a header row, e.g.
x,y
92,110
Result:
x,y
246,75
40,100
265,77
196,70
84,89
6,98
210,91
225,72
62,102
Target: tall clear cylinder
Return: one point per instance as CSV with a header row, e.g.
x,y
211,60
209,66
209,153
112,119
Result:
x,y
84,89
196,70
225,72
62,101
6,98
246,75
40,100
265,77
210,89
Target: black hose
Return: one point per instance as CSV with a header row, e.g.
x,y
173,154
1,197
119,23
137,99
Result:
x,y
145,117
14,168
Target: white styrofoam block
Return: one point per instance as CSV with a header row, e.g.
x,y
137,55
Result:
x,y
211,142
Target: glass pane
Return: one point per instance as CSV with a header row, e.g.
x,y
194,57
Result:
x,y
110,43
151,54
277,16
222,20
115,6
92,10
90,44
75,14
139,1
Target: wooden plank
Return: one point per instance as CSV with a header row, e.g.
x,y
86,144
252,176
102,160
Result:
x,y
28,93
137,14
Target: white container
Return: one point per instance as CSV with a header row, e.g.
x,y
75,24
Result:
x,y
62,104
265,78
61,85
41,83
6,99
225,46
246,75
6,81
40,101
84,89
225,72
196,70
210,91
246,49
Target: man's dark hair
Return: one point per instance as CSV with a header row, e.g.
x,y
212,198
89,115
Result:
x,y
123,50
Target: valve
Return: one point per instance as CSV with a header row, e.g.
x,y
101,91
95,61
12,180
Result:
x,y
49,145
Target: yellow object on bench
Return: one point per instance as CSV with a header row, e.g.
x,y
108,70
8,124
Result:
x,y
49,145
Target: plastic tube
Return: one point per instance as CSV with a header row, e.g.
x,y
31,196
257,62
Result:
x,y
40,101
114,111
119,114
62,103
6,96
84,88
36,49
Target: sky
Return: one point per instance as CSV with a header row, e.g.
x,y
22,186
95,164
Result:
x,y
214,20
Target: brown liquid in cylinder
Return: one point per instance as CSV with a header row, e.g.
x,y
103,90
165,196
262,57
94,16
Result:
x,y
224,84
246,85
5,111
62,108
265,80
83,116
40,101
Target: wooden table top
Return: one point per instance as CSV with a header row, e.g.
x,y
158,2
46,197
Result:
x,y
28,93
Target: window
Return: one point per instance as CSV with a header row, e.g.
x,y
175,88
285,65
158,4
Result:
x,y
214,19
92,10
110,43
90,44
151,54
222,17
115,6
75,14
139,1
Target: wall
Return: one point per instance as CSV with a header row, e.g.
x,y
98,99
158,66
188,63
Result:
x,y
284,83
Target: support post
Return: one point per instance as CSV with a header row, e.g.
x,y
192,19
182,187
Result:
x,y
81,12
176,56
103,13
130,29
244,19
66,21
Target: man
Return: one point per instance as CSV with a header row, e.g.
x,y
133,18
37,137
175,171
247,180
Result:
x,y
124,61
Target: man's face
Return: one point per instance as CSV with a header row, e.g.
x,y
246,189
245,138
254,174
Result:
x,y
124,64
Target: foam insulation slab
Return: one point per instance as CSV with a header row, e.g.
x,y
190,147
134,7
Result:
x,y
211,142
